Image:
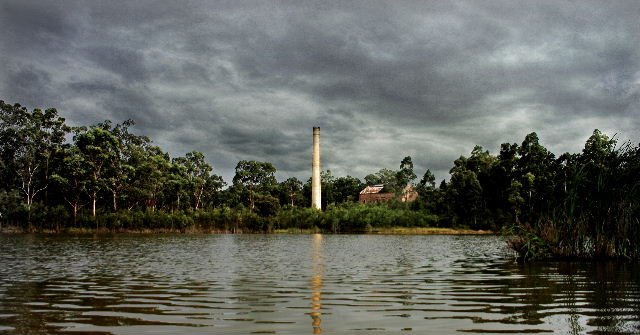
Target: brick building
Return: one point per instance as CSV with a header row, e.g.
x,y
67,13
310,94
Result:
x,y
374,194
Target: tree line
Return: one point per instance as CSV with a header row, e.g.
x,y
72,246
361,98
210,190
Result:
x,y
583,205
54,176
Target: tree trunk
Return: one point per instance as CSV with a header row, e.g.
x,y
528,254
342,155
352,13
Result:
x,y
252,201
46,180
93,203
29,217
75,214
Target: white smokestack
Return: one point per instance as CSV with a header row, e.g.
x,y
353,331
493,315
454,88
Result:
x,y
315,171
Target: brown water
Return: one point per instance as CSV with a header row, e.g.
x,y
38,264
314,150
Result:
x,y
304,284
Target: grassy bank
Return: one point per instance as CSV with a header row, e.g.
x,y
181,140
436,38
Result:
x,y
346,218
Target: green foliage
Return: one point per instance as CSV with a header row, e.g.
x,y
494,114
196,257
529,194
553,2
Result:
x,y
254,179
465,193
353,218
346,189
584,205
197,175
30,142
577,205
386,177
405,175
290,192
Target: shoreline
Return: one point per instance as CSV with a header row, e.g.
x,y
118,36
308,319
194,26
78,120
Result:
x,y
290,231
428,231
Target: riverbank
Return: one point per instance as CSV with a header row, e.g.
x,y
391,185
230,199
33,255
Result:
x,y
399,231
429,231
293,231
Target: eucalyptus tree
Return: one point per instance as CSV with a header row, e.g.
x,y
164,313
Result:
x,y
505,185
327,188
212,188
254,179
426,184
346,189
72,178
465,194
427,190
12,121
405,175
50,131
177,185
124,165
30,142
151,175
99,149
197,172
536,174
291,189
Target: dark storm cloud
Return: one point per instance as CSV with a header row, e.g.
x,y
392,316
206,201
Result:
x,y
248,80
32,82
36,23
127,63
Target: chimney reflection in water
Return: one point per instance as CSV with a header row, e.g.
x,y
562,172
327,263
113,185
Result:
x,y
316,284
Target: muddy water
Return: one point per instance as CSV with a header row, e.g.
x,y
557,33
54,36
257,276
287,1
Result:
x,y
304,284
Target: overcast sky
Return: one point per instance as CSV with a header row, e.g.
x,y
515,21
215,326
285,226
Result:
x,y
244,80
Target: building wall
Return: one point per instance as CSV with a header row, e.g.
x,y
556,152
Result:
x,y
376,197
409,195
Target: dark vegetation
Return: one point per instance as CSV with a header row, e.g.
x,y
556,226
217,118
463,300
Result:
x,y
55,177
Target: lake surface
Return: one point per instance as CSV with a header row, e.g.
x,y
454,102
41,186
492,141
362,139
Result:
x,y
304,284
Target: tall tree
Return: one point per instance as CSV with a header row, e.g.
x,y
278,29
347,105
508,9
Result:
x,y
405,175
99,149
466,193
326,180
536,174
122,170
177,185
254,179
30,142
346,189
73,178
291,189
13,118
197,172
213,186
150,175
426,186
504,194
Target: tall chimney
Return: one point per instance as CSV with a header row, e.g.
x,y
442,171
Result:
x,y
315,171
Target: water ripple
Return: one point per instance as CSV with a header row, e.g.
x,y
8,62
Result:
x,y
280,284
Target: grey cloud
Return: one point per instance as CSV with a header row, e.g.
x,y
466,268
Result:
x,y
127,63
38,24
248,80
260,142
111,101
29,83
